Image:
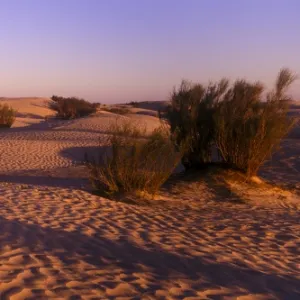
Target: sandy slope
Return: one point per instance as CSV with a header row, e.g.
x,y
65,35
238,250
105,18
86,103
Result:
x,y
29,110
202,241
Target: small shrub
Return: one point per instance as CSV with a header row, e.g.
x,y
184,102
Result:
x,y
7,116
136,163
71,108
117,110
96,105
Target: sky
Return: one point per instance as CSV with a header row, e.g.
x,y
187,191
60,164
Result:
x,y
114,51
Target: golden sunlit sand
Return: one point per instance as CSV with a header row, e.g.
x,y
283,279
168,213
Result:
x,y
204,239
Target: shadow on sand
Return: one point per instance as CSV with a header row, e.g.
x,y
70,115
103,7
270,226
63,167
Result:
x,y
103,254
217,185
46,181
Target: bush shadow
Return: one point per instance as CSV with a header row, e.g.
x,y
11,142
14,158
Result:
x,y
210,176
46,181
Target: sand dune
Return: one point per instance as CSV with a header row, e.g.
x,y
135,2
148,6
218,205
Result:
x,y
200,241
29,110
152,105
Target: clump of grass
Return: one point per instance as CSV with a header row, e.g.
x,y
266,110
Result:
x,y
136,163
72,107
7,116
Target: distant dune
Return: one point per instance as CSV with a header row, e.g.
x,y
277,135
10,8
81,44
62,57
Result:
x,y
295,104
152,105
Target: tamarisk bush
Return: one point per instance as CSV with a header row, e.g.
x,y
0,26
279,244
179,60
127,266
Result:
x,y
237,121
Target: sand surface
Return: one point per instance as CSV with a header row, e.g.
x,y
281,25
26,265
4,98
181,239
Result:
x,y
201,241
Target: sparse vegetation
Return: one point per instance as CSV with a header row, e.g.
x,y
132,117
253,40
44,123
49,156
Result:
x,y
96,104
243,127
119,110
72,107
135,163
133,103
7,116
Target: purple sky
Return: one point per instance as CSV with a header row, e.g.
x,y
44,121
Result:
x,y
136,50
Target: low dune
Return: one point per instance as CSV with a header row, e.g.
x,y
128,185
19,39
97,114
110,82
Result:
x,y
29,110
150,105
203,239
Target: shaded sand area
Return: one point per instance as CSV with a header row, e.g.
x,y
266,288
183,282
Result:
x,y
202,240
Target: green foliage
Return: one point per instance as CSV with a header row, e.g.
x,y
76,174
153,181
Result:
x,y
7,116
72,107
136,163
236,120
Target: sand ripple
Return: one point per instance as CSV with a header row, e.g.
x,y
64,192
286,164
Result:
x,y
59,243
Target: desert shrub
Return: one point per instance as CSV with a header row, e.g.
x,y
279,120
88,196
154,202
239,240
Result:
x,y
96,105
117,110
72,107
7,116
236,120
135,162
133,103
120,110
247,129
190,116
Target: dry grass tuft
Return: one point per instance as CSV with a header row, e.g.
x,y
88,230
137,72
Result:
x,y
135,163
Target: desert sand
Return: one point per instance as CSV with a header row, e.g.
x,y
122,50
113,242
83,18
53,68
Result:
x,y
202,240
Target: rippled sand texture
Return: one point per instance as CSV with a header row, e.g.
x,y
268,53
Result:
x,y
58,241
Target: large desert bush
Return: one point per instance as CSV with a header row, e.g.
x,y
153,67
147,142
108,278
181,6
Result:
x,y
72,107
247,128
135,162
236,121
190,116
7,116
